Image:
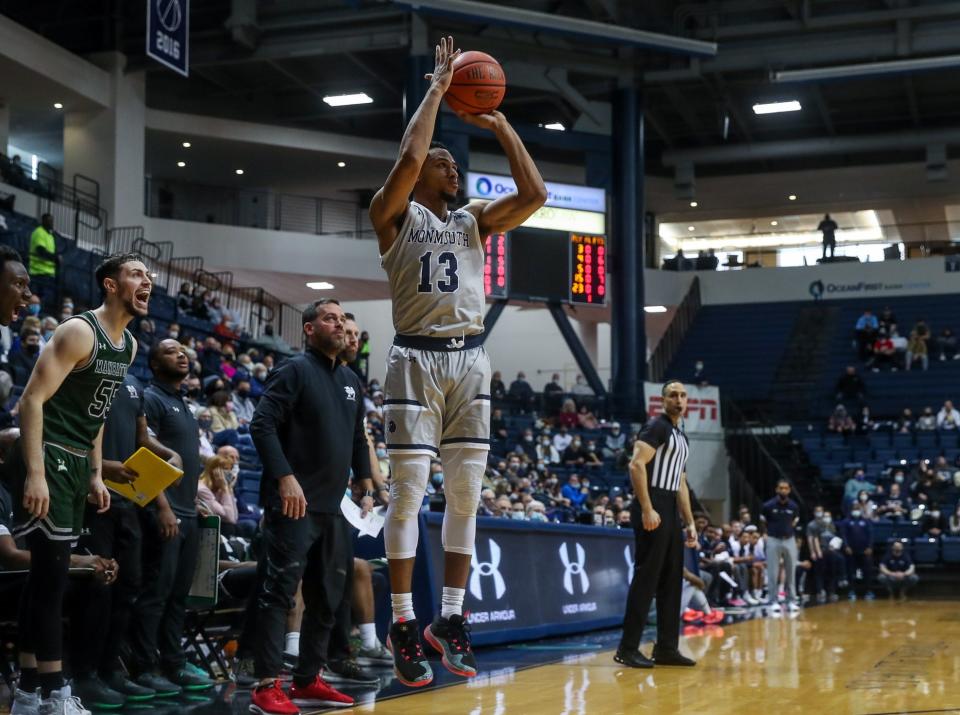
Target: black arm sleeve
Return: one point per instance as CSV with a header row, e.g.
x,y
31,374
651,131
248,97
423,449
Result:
x,y
361,451
654,433
276,404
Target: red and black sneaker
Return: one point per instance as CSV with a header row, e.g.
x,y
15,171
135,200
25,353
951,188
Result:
x,y
319,693
409,662
451,638
271,700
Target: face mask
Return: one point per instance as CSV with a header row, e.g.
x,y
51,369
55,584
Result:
x,y
827,519
538,516
545,442
64,315
235,470
193,392
205,422
818,514
173,334
935,514
699,366
243,393
381,454
47,334
32,349
863,497
33,309
855,514
598,519
517,515
437,479
528,438
898,479
608,521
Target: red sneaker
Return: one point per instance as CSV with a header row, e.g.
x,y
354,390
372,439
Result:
x,y
271,700
715,616
692,616
319,693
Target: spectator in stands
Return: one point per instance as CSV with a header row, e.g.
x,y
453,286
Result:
x,y
887,319
840,421
498,425
884,352
587,420
857,534
488,504
917,350
900,344
224,329
521,393
947,345
185,297
22,361
575,455
827,564
850,386
215,489
948,418
699,374
575,493
260,374
954,523
934,522
865,331
828,227
47,326
243,405
221,410
905,423
614,443
527,444
44,260
552,395
581,388
927,488
568,415
898,573
865,423
896,506
147,335
927,420
66,308
210,357
857,483
593,455
498,391
866,505
546,452
562,439
204,423
942,469
200,304
536,511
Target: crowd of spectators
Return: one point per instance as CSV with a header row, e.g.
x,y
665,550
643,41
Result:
x,y
880,344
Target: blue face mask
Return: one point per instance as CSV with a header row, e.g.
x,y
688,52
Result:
x,y
381,454
518,515
33,309
47,334
437,479
538,516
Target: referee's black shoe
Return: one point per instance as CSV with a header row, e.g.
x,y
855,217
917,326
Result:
x,y
671,657
632,659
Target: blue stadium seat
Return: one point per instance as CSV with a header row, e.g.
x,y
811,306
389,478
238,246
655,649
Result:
x,y
906,530
926,549
950,546
883,531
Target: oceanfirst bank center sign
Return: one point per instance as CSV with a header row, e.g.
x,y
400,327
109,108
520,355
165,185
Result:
x,y
564,196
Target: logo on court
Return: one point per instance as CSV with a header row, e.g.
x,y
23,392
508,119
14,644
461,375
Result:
x,y
630,565
491,568
484,187
574,568
351,393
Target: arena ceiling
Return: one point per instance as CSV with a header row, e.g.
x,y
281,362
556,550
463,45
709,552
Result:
x,y
273,61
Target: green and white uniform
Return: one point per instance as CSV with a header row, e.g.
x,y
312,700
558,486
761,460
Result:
x,y
72,418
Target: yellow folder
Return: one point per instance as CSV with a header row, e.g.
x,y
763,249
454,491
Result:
x,y
154,475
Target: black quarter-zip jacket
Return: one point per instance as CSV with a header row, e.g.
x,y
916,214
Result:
x,y
309,423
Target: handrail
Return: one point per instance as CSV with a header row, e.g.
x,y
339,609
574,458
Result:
x,y
667,348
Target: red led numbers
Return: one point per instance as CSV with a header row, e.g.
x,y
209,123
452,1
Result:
x,y
588,269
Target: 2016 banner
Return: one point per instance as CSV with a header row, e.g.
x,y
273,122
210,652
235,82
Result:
x,y
168,34
703,407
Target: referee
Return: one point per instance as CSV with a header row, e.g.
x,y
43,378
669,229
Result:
x,y
659,478
308,429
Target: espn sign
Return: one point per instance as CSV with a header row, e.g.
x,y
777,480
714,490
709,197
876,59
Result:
x,y
703,407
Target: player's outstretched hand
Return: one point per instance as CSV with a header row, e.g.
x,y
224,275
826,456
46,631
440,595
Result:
x,y
444,55
291,495
491,120
36,496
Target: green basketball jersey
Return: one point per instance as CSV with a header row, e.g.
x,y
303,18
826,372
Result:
x,y
75,413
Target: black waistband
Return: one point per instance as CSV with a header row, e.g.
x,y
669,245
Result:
x,y
421,342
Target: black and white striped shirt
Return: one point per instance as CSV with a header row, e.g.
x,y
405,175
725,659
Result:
x,y
672,449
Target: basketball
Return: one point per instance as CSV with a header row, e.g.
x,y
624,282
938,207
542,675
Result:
x,y
478,84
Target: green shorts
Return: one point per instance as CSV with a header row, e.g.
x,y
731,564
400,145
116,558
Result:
x,y
68,481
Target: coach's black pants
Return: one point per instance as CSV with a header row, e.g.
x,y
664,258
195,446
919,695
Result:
x,y
657,571
114,534
160,610
315,549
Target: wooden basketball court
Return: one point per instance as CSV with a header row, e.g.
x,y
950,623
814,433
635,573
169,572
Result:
x,y
863,658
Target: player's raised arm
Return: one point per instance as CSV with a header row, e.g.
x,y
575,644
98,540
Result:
x,y
511,210
71,345
389,205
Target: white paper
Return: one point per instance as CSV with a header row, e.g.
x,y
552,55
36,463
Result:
x,y
369,525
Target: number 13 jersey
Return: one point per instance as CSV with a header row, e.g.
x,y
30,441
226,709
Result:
x,y
73,416
435,269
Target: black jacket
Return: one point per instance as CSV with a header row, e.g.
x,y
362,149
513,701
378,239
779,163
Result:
x,y
309,423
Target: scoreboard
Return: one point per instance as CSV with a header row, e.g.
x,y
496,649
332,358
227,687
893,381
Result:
x,y
537,264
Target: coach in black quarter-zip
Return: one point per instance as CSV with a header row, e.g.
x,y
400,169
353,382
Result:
x,y
659,477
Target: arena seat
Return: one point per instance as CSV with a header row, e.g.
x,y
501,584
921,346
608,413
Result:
x,y
926,549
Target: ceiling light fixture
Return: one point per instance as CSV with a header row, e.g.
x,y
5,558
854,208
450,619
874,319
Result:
x,y
792,197
347,100
691,228
181,164
239,172
693,204
555,126
777,107
341,164
57,105
773,223
186,145
320,285
655,309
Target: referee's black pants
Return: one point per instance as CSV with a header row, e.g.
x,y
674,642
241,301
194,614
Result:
x,y
657,571
316,550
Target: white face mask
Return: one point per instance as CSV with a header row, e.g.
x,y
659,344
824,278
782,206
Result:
x,y
855,514
518,515
538,516
235,470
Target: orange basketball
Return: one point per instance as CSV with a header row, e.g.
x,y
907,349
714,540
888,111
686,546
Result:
x,y
478,84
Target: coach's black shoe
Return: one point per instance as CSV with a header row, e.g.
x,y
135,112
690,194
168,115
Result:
x,y
671,657
158,684
632,659
451,638
95,693
409,662
133,692
348,672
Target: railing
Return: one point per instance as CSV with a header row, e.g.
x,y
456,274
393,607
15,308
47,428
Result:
x,y
253,208
258,308
667,348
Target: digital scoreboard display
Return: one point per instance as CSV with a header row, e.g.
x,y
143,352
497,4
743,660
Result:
x,y
588,269
495,266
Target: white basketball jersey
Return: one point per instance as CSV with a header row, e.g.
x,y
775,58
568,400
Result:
x,y
435,269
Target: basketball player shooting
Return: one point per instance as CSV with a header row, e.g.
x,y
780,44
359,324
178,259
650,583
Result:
x,y
438,374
